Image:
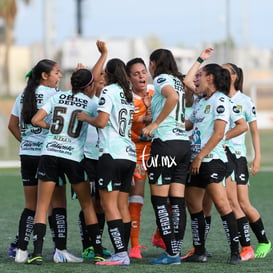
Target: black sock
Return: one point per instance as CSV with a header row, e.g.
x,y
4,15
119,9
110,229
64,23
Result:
x,y
101,221
39,232
207,226
94,234
259,231
116,233
198,232
86,240
25,228
243,229
59,223
50,223
164,223
231,230
127,232
179,219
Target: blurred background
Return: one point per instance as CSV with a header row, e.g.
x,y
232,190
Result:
x,y
67,30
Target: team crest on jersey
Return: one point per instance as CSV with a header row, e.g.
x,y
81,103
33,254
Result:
x,y
102,101
220,109
161,80
240,107
254,110
207,109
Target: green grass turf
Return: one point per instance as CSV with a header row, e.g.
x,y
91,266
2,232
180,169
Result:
x,y
12,204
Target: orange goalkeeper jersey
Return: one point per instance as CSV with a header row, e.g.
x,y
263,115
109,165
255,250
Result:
x,y
139,113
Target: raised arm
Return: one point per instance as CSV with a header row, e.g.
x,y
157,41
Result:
x,y
98,67
188,80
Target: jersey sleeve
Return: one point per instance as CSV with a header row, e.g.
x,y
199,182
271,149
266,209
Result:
x,y
48,106
235,113
221,108
161,81
105,102
250,111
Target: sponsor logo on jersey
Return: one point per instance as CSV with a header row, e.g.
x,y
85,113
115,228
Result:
x,y
161,80
36,130
130,151
253,110
235,109
102,101
220,109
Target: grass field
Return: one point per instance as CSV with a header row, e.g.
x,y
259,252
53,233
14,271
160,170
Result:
x,y
12,204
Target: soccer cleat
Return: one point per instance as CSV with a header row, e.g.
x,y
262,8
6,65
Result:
x,y
120,258
63,256
106,252
189,253
158,242
21,256
262,250
195,258
135,252
36,260
99,258
88,253
247,253
235,258
12,250
165,259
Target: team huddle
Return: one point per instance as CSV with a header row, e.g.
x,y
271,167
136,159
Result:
x,y
112,133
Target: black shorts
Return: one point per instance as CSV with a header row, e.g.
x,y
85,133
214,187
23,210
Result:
x,y
90,167
169,162
50,168
29,167
231,165
241,171
209,172
115,174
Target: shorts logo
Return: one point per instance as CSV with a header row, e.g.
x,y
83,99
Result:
x,y
100,182
242,177
220,109
214,175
